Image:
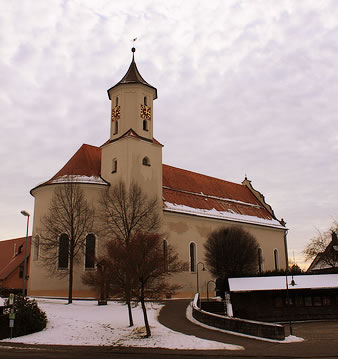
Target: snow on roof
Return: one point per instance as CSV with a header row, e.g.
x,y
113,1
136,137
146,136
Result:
x,y
226,215
193,193
79,179
279,282
183,191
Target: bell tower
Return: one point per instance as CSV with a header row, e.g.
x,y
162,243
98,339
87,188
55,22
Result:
x,y
132,104
132,154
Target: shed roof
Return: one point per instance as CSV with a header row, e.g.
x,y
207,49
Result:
x,y
279,282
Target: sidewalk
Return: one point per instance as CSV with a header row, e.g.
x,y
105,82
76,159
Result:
x,y
320,338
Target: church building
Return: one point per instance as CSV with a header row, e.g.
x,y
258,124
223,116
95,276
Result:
x,y
193,205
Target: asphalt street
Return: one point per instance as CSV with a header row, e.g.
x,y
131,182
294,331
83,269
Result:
x,y
320,338
320,341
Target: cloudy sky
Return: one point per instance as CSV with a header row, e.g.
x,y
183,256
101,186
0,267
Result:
x,y
244,87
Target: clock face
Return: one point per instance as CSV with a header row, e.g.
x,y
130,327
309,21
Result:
x,y
115,113
145,112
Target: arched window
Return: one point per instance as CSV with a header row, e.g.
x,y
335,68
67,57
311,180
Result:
x,y
145,125
146,161
192,254
116,127
276,259
165,255
114,166
260,260
145,100
90,251
116,101
36,247
63,251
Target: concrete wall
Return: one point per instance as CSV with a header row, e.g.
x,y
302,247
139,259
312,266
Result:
x,y
249,327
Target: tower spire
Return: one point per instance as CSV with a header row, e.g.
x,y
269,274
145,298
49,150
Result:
x,y
133,76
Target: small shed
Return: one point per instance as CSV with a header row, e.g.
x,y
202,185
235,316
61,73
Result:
x,y
283,298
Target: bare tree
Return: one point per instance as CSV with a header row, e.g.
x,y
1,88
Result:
x,y
63,230
145,265
231,251
123,213
325,246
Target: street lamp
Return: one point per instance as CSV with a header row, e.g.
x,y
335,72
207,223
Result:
x,y
286,281
26,214
203,269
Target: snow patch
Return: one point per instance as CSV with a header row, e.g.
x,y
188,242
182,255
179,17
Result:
x,y
214,197
213,213
79,179
86,323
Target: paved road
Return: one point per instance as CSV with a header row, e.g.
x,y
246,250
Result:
x,y
66,352
321,341
321,338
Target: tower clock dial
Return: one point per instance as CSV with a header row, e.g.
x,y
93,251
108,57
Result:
x,y
145,112
115,113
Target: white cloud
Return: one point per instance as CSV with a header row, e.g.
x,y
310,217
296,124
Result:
x,y
250,86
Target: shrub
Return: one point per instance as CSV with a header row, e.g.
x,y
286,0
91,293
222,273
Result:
x,y
29,318
231,251
4,292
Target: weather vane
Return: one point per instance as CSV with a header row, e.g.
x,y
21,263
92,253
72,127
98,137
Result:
x,y
133,48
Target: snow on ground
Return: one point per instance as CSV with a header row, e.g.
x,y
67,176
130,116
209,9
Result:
x,y
86,323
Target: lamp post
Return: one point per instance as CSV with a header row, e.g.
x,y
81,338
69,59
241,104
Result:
x,y
286,281
203,269
26,214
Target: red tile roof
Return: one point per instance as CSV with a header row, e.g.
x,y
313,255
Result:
x,y
199,194
85,162
132,133
8,261
176,178
181,187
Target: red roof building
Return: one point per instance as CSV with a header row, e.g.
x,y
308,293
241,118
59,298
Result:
x,y
183,191
193,204
12,256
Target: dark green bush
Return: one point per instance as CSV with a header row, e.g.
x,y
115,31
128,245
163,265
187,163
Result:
x,y
4,292
29,318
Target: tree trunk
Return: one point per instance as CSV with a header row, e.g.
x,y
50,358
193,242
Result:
x,y
70,276
128,301
70,282
144,309
130,314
